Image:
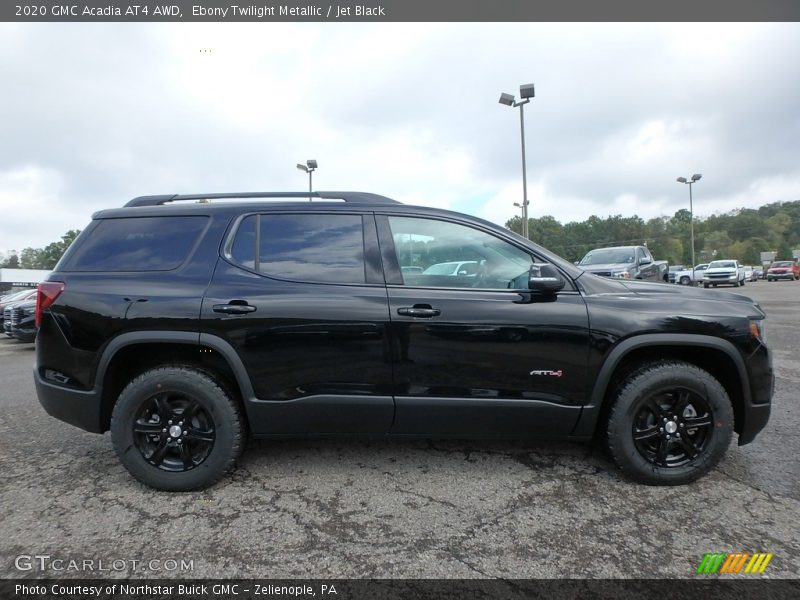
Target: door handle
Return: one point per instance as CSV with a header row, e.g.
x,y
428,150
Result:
x,y
233,308
420,312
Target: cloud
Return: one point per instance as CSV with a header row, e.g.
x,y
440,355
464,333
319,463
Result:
x,y
102,113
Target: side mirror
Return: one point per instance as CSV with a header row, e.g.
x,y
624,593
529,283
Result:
x,y
645,261
544,278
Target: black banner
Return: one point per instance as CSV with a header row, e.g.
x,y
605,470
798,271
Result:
x,y
743,588
398,10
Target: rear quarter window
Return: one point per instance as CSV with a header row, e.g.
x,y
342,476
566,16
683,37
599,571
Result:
x,y
137,244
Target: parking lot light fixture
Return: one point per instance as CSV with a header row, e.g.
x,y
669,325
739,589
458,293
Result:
x,y
309,168
696,177
526,92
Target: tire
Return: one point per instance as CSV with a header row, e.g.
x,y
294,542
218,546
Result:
x,y
681,393
684,280
735,284
176,457
705,285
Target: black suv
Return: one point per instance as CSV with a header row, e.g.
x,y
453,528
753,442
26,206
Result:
x,y
185,323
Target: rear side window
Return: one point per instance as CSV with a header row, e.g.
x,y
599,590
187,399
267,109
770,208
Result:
x,y
137,244
320,248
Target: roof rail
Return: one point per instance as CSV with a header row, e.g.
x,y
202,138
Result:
x,y
354,197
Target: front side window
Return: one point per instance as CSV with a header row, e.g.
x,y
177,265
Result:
x,y
320,248
434,253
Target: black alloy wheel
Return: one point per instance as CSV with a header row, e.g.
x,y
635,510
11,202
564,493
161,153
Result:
x,y
173,432
672,427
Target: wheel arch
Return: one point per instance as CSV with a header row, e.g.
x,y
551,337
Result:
x,y
132,353
717,356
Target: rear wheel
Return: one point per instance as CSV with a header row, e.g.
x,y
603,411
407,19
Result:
x,y
705,285
176,429
669,424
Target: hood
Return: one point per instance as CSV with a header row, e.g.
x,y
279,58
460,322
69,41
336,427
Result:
x,y
672,299
722,270
607,267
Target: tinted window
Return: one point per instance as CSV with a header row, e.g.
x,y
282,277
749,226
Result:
x,y
320,248
137,244
452,255
243,249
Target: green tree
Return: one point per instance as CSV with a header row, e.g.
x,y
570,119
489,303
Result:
x,y
784,251
12,262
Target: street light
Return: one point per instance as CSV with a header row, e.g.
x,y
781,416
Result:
x,y
526,92
695,177
309,168
518,205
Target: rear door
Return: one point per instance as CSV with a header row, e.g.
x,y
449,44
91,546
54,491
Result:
x,y
301,298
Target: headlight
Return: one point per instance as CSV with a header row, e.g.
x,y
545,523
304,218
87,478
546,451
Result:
x,y
29,311
621,275
758,329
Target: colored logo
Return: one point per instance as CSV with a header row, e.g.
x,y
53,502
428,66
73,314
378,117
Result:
x,y
723,563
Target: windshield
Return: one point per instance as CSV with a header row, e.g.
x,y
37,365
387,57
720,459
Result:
x,y
783,263
722,264
606,256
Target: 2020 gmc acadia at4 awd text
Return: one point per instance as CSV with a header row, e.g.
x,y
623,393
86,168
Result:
x,y
184,324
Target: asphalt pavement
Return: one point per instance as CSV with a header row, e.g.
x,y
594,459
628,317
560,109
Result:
x,y
354,508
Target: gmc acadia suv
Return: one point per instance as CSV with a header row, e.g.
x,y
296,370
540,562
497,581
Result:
x,y
185,323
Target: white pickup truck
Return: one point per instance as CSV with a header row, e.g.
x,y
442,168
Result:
x,y
723,272
685,277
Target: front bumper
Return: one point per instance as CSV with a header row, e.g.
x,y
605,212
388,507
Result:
x,y
755,419
76,407
780,275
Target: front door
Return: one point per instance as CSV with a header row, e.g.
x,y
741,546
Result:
x,y
475,353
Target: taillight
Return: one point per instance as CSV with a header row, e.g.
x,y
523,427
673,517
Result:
x,y
46,294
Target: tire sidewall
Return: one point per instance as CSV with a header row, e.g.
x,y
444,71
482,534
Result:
x,y
210,397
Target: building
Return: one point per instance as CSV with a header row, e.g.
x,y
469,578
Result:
x,y
21,278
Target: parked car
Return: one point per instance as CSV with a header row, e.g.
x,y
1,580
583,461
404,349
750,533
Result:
x,y
673,269
685,277
14,297
452,269
723,272
625,262
758,273
748,273
21,321
183,324
783,269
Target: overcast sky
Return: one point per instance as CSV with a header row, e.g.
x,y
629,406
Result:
x,y
94,114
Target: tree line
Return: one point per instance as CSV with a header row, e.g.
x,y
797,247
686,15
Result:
x,y
39,258
740,234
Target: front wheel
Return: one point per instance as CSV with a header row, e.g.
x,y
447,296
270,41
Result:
x,y
684,280
176,429
670,424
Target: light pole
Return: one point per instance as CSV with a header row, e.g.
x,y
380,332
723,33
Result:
x,y
526,92
518,205
690,182
309,168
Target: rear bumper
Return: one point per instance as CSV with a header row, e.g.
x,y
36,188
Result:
x,y
76,407
24,334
